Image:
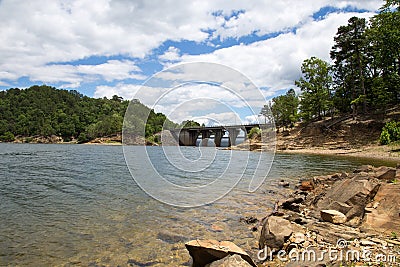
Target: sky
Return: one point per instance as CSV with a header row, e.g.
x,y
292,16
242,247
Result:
x,y
107,47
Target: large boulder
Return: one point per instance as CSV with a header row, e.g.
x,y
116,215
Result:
x,y
204,252
275,231
384,214
385,173
349,196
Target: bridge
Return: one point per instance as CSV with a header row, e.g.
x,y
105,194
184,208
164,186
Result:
x,y
188,136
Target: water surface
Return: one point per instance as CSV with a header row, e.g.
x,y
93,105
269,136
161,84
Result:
x,y
65,205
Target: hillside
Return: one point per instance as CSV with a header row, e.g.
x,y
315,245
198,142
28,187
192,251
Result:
x,y
44,114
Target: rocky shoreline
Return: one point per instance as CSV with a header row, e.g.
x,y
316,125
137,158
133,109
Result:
x,y
343,219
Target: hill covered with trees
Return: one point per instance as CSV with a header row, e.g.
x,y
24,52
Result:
x,y
47,111
363,79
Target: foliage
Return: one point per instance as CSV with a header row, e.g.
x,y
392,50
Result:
x,y
254,132
284,109
190,123
7,137
315,86
349,55
364,76
390,133
45,111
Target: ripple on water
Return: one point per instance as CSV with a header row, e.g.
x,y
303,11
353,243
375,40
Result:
x,y
78,205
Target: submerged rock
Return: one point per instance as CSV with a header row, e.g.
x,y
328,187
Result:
x,y
171,238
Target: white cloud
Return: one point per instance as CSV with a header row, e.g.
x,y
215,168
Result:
x,y
74,75
275,63
38,35
172,54
127,91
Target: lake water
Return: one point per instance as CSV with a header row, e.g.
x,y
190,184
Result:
x,y
66,205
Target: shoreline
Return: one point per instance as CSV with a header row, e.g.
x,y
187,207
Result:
x,y
389,152
367,152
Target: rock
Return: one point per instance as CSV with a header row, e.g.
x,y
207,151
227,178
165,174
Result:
x,y
365,242
298,238
204,252
283,183
292,204
306,186
217,228
385,173
248,219
340,206
275,231
230,261
171,238
385,217
333,216
364,168
351,197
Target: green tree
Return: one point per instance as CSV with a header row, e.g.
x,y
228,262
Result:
x,y
384,37
190,123
7,137
315,85
284,109
350,62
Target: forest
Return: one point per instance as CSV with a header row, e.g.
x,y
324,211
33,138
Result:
x,y
364,77
45,111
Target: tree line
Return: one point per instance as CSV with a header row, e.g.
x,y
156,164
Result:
x,y
45,111
363,78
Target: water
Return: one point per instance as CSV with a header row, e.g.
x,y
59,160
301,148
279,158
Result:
x,y
66,205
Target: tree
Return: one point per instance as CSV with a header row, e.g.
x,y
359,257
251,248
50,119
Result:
x,y
190,123
384,36
350,61
284,109
44,110
7,137
315,85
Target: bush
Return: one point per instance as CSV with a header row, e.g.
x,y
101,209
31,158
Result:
x,y
83,138
7,137
255,131
390,133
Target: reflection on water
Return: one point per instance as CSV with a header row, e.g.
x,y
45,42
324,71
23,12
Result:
x,y
78,205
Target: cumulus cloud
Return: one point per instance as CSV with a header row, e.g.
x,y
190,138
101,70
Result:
x,y
41,39
172,54
275,63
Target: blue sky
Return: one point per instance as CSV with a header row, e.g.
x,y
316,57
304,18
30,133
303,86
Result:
x,y
108,47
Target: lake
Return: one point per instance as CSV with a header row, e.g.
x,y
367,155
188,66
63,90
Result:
x,y
68,205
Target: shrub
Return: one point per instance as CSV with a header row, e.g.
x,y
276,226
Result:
x,y
7,137
255,131
390,133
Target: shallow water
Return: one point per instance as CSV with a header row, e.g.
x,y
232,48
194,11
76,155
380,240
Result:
x,y
64,205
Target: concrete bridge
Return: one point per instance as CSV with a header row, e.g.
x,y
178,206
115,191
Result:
x,y
188,136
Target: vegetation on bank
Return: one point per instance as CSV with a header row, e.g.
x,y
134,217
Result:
x,y
390,133
363,79
46,111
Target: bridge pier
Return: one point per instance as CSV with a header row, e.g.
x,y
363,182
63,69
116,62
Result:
x,y
188,137
205,135
218,137
233,134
